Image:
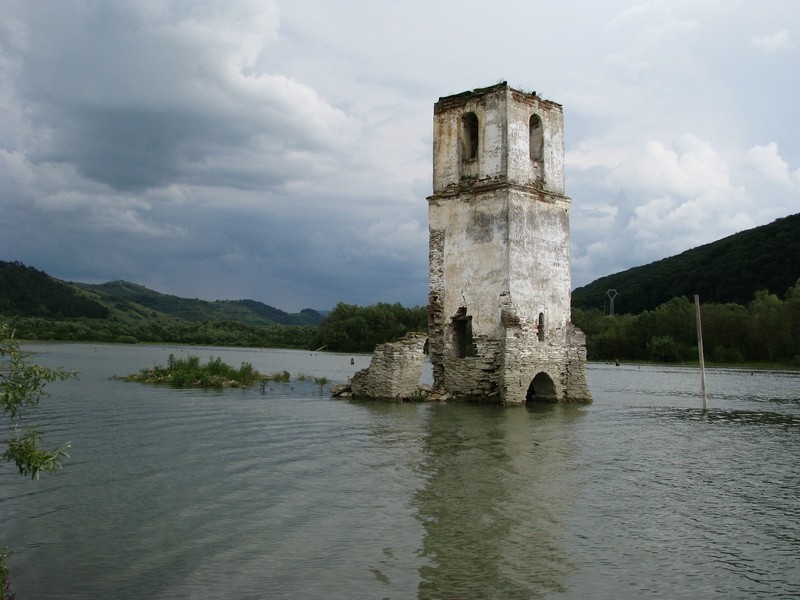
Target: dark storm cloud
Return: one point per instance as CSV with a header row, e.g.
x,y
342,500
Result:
x,y
128,149
282,150
136,100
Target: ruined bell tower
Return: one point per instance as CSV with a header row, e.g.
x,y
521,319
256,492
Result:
x,y
499,300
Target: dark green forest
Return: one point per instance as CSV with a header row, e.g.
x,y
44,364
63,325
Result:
x,y
28,291
40,307
729,270
210,333
244,311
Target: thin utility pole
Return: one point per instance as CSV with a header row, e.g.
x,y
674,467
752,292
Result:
x,y
700,350
611,294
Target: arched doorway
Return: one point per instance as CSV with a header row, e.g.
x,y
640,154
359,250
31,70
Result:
x,y
541,389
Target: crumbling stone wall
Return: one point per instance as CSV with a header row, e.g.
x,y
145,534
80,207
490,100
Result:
x,y
394,371
436,318
559,359
499,301
576,385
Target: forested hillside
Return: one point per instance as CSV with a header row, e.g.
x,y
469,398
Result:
x,y
729,270
38,306
28,291
749,284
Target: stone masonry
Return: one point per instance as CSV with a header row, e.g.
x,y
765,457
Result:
x,y
394,371
499,298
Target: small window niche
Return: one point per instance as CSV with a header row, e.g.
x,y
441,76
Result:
x,y
469,136
540,327
536,138
463,343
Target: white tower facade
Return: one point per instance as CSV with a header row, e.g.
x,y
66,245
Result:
x,y
499,298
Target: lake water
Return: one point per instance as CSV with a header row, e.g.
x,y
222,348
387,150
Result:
x,y
285,493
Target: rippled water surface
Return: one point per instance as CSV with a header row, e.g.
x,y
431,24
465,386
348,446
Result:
x,y
285,493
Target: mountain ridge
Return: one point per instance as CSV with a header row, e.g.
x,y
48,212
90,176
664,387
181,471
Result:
x,y
25,290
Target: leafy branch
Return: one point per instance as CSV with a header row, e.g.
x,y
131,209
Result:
x,y
22,386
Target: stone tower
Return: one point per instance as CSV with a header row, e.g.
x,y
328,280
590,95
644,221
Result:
x,y
499,301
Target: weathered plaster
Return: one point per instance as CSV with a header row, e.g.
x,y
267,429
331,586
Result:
x,y
499,254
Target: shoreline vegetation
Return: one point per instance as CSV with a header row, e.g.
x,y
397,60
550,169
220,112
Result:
x,y
764,332
215,374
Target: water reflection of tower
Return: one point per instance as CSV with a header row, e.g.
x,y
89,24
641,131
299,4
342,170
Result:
x,y
491,508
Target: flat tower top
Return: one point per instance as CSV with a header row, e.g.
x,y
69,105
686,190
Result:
x,y
455,100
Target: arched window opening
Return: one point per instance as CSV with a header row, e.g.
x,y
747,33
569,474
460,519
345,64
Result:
x,y
540,327
469,136
536,138
541,389
463,343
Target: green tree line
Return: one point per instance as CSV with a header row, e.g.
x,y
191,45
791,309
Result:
x,y
767,329
350,328
211,333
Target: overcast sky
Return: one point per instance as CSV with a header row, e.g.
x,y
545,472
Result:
x,y
280,150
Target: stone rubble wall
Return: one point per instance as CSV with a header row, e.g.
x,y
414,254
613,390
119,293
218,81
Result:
x,y
394,371
561,355
476,378
577,388
436,318
526,356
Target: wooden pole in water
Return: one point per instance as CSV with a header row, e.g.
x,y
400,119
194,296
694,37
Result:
x,y
700,350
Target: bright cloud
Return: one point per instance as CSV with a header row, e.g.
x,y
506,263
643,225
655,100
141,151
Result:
x,y
774,42
770,165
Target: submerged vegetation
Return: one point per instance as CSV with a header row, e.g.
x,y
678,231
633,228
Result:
x,y
5,587
190,373
215,374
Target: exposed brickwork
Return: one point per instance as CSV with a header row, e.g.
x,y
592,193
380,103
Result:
x,y
394,371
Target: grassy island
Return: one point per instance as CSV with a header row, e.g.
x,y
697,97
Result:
x,y
214,374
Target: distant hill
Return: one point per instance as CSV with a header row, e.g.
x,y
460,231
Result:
x,y
250,312
729,270
26,291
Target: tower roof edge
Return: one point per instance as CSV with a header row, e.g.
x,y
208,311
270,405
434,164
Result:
x,y
454,100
